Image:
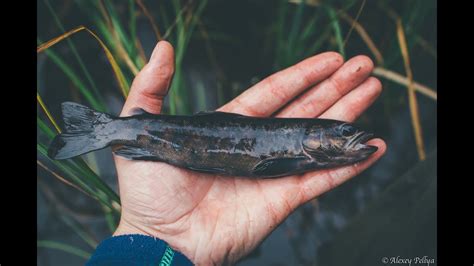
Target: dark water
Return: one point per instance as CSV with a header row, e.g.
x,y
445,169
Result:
x,y
311,229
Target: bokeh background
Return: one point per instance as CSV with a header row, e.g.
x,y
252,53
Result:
x,y
90,50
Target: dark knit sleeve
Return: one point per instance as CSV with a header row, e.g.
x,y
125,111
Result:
x,y
136,250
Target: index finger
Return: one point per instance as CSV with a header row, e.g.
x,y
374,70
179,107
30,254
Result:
x,y
267,96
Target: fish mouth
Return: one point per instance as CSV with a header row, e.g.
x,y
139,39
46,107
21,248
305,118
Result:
x,y
357,143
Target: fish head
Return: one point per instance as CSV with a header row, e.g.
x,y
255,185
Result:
x,y
337,144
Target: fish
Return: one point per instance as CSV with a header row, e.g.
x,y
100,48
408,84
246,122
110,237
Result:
x,y
214,142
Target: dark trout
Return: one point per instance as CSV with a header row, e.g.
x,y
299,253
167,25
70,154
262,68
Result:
x,y
215,142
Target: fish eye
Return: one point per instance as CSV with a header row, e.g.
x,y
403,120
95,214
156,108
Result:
x,y
348,130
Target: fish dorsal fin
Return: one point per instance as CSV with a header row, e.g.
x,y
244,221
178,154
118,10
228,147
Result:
x,y
275,166
139,111
217,114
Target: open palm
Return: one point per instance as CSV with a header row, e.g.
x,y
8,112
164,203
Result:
x,y
216,219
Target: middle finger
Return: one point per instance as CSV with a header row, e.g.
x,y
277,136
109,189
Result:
x,y
322,96
269,95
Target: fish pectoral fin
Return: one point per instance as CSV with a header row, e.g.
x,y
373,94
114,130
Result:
x,y
278,166
212,170
217,114
135,153
316,154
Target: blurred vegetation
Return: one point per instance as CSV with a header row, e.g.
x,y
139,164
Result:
x,y
93,50
392,225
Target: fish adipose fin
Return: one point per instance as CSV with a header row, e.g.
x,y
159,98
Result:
x,y
81,136
135,153
278,166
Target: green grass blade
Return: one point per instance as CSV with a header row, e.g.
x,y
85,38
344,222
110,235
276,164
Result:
x,y
293,35
114,16
310,27
280,54
73,177
133,19
63,167
79,84
201,95
82,167
164,18
184,30
63,247
76,55
337,29
61,178
322,38
133,32
180,26
44,128
194,19
76,227
46,111
110,218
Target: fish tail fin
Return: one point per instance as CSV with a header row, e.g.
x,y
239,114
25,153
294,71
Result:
x,y
82,127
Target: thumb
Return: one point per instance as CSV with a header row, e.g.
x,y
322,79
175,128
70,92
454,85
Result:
x,y
151,84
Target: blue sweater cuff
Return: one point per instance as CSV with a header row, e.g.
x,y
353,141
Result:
x,y
136,250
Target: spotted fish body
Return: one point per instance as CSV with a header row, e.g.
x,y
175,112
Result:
x,y
215,142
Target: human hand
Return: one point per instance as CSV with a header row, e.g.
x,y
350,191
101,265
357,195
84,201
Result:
x,y
217,220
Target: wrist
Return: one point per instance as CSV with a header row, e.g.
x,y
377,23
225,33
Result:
x,y
207,254
125,228
180,245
